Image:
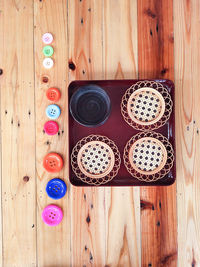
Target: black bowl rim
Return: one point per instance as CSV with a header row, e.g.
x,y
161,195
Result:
x,y
92,87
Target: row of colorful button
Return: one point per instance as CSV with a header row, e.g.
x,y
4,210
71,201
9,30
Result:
x,y
56,188
48,50
52,214
52,111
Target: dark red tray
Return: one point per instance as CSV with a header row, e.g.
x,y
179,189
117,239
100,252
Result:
x,y
119,131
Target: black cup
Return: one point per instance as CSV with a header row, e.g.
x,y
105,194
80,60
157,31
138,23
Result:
x,y
90,105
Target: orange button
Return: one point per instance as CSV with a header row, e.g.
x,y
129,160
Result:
x,y
53,162
53,94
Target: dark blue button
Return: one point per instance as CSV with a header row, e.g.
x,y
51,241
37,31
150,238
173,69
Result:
x,y
56,188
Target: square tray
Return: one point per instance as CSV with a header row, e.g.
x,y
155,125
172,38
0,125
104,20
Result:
x,y
119,131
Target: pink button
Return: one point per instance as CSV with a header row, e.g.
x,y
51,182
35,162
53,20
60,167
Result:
x,y
52,215
47,38
51,127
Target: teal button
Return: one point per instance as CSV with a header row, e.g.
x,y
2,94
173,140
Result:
x,y
53,111
48,51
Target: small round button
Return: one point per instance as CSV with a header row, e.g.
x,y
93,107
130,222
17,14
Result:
x,y
48,63
48,51
53,162
53,111
47,38
52,215
51,127
53,94
56,188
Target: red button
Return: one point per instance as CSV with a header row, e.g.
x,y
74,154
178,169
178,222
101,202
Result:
x,y
53,162
53,94
51,127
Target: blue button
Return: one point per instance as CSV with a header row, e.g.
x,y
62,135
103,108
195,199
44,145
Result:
x,y
56,188
53,111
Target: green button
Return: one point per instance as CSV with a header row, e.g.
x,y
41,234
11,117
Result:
x,y
48,51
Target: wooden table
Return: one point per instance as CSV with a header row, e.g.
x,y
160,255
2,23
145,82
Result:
x,y
96,39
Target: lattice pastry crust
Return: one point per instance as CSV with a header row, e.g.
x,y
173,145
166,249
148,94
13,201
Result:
x,y
148,156
95,159
146,105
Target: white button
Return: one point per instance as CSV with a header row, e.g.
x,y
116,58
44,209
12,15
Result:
x,y
48,63
47,38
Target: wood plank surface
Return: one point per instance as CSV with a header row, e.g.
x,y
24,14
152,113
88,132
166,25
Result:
x,y
53,243
18,134
1,73
1,232
85,62
95,39
155,59
122,204
187,78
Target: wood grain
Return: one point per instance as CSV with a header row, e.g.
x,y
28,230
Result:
x,y
120,39
122,204
187,58
87,204
155,59
1,232
95,40
155,39
18,134
53,243
1,73
85,39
